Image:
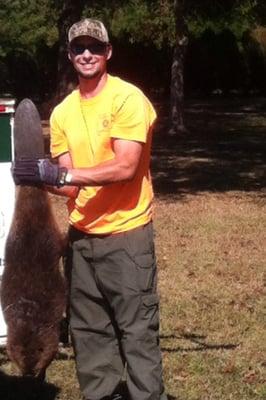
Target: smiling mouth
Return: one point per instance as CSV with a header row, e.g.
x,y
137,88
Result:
x,y
88,65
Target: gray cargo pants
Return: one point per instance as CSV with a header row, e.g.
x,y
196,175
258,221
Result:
x,y
114,313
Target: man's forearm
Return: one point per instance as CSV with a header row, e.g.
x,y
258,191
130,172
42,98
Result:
x,y
111,171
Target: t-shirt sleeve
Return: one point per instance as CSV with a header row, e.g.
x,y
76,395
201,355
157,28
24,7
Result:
x,y
133,118
58,140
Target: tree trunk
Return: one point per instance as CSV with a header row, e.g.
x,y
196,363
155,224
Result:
x,y
71,12
177,72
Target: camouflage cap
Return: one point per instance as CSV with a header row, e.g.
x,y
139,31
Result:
x,y
88,27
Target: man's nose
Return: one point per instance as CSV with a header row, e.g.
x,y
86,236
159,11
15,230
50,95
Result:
x,y
87,53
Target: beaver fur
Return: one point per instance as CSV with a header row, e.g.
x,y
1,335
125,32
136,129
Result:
x,y
33,288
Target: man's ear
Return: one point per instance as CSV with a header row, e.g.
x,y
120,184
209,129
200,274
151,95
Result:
x,y
109,52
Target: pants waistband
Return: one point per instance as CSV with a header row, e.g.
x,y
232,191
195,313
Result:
x,y
76,234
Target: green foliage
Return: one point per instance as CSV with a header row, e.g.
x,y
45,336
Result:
x,y
138,21
152,21
29,29
25,25
237,16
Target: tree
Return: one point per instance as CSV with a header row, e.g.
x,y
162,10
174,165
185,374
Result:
x,y
68,13
26,27
177,72
193,18
33,38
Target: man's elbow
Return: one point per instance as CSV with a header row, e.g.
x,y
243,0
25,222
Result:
x,y
128,173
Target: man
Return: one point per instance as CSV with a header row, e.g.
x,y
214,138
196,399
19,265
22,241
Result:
x,y
101,138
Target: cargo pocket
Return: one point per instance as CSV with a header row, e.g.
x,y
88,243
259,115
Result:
x,y
150,311
140,250
146,272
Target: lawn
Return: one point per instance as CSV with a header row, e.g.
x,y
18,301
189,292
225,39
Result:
x,y
210,229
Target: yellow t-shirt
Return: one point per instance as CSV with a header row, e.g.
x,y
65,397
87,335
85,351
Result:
x,y
85,129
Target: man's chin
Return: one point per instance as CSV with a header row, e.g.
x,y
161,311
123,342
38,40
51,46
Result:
x,y
88,75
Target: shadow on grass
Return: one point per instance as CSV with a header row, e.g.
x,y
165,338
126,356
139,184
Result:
x,y
224,151
25,388
198,340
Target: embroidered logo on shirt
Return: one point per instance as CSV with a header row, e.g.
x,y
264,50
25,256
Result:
x,y
104,123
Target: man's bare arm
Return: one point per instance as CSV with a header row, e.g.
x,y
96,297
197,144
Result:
x,y
63,179
121,168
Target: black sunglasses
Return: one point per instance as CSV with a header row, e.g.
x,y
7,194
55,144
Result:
x,y
94,48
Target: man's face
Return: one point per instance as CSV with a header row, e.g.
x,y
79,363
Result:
x,y
89,56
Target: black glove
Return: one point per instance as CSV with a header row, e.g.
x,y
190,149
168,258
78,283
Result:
x,y
33,172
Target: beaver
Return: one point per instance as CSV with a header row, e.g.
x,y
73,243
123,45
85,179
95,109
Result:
x,y
33,289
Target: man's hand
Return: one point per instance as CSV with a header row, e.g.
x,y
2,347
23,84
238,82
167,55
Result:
x,y
38,171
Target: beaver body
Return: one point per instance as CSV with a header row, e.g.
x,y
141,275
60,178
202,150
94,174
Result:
x,y
33,288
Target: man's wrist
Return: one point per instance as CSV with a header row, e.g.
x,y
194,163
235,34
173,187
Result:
x,y
68,178
65,177
62,172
